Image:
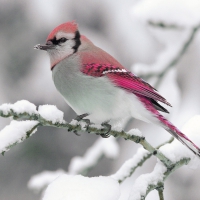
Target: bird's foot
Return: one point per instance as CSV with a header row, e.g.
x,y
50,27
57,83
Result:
x,y
81,118
107,128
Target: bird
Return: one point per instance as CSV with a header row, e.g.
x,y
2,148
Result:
x,y
96,85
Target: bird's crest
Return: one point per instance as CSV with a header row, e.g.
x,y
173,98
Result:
x,y
68,27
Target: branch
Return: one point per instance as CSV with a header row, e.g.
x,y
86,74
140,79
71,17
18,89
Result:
x,y
176,59
154,180
21,129
50,116
160,192
129,167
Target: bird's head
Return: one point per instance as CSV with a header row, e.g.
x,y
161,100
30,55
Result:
x,y
62,42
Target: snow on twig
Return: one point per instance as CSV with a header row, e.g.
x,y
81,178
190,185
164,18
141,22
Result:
x,y
81,165
154,180
178,154
16,133
129,167
40,181
167,59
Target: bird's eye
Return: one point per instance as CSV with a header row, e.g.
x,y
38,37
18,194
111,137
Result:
x,y
62,40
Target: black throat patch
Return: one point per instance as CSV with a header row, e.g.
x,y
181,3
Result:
x,y
77,41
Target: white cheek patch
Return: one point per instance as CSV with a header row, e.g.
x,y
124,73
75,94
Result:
x,y
65,35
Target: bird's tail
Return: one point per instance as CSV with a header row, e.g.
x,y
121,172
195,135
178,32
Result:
x,y
168,126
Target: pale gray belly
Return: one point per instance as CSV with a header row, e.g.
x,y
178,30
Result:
x,y
86,94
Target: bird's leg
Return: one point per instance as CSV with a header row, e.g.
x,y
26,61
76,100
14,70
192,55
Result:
x,y
107,128
80,118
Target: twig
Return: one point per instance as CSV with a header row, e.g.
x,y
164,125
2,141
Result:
x,y
129,167
155,180
176,59
160,192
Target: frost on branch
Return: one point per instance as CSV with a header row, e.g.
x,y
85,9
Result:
x,y
84,188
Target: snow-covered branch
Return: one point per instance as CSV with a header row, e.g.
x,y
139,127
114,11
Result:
x,y
170,156
167,59
16,133
154,180
48,115
129,167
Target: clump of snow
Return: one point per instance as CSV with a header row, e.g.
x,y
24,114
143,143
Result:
x,y
135,132
130,164
74,122
16,132
76,187
19,107
98,126
177,151
142,182
41,180
182,13
108,147
51,113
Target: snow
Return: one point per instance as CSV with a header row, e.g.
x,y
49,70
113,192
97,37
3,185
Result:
x,y
71,187
173,45
130,164
41,180
51,113
170,12
81,123
19,107
135,132
177,151
74,122
142,182
16,132
108,147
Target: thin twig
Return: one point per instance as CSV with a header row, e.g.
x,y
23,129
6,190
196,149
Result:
x,y
176,59
160,192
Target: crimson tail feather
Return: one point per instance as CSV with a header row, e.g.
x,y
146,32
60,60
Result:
x,y
175,132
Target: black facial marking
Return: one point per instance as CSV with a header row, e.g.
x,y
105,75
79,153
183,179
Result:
x,y
77,41
58,42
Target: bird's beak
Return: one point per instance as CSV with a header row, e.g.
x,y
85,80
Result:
x,y
44,47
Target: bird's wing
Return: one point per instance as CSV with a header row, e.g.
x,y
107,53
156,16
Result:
x,y
123,79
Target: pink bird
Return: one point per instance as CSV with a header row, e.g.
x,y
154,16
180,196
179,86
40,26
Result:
x,y
94,83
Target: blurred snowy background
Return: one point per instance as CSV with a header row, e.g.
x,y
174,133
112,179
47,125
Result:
x,y
144,35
